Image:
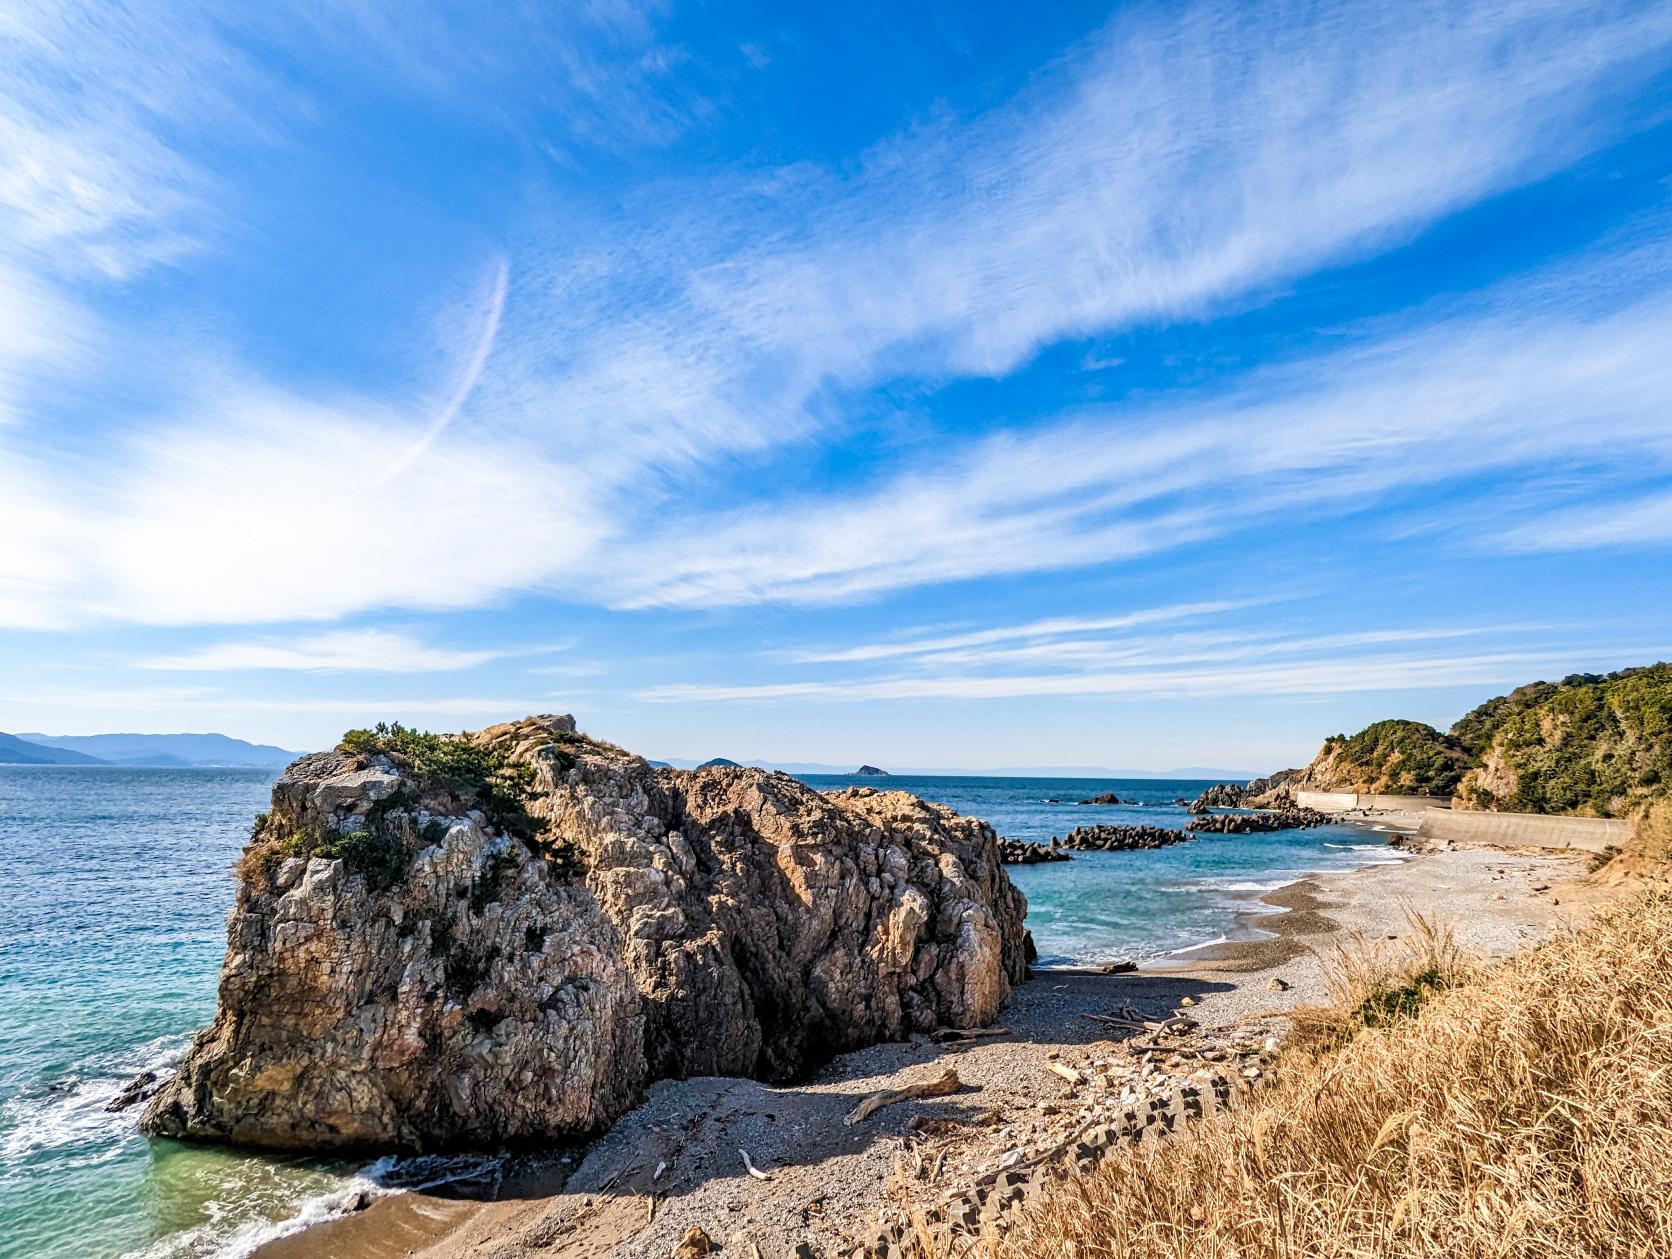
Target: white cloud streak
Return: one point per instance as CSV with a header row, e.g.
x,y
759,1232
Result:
x,y
354,651
1316,676
1633,522
1050,628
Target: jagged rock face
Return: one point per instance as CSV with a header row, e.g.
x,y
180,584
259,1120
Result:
x,y
480,999
769,926
722,921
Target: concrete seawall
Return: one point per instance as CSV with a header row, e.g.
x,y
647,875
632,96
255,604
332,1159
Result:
x,y
1524,830
1346,801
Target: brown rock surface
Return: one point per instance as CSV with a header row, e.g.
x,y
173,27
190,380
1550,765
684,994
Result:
x,y
478,987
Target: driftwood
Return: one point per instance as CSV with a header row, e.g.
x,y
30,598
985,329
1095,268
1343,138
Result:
x,y
947,1083
1067,1073
942,1035
1178,1023
754,1171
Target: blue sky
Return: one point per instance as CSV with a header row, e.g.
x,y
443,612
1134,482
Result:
x,y
936,385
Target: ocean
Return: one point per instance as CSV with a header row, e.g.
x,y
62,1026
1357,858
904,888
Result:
x,y
114,886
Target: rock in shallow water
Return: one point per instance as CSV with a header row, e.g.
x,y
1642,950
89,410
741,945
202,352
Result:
x,y
402,972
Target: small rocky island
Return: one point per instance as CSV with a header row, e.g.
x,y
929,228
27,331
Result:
x,y
506,936
870,771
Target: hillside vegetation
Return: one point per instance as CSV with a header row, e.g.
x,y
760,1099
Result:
x,y
1593,744
1393,756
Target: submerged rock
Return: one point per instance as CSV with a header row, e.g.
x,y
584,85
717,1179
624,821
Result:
x,y
416,959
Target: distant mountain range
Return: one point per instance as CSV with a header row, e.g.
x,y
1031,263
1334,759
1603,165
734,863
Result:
x,y
164,751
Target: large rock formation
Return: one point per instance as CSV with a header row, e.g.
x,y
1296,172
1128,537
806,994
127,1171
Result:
x,y
417,959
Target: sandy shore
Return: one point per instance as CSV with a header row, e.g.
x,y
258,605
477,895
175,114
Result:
x,y
826,1180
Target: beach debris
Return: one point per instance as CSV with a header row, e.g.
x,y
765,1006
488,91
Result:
x,y
947,1082
661,1167
1067,1073
695,1244
1187,1000
754,1171
1278,984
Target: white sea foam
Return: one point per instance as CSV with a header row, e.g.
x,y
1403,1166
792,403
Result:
x,y
73,1116
233,1231
1242,885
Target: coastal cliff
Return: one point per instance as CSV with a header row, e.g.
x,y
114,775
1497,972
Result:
x,y
505,936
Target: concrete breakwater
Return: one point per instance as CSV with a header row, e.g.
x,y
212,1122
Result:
x,y
1018,852
1380,802
1117,838
1256,823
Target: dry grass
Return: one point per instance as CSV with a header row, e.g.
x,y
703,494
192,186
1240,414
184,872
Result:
x,y
1526,1111
1374,983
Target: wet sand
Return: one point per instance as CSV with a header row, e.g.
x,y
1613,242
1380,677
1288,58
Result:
x,y
826,1179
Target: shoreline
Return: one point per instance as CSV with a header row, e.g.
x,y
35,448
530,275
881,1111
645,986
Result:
x,y
826,1179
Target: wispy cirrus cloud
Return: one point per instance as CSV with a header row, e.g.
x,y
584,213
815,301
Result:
x,y
1186,159
1033,631
1181,165
1231,661
1620,522
1516,387
344,651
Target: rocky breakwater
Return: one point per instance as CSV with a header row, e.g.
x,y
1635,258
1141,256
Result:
x,y
1121,838
505,936
1020,852
1290,819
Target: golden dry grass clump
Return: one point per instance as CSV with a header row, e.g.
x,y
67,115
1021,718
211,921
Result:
x,y
1524,1111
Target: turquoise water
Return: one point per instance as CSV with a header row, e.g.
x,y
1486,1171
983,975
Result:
x,y
114,886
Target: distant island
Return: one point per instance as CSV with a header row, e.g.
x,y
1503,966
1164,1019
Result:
x,y
720,762
158,751
869,771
